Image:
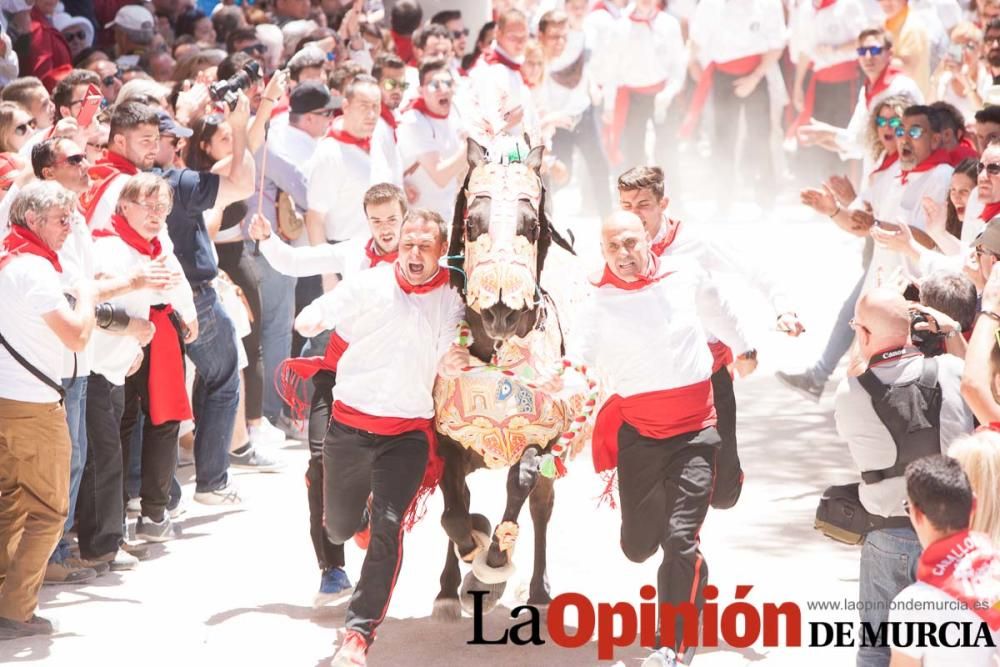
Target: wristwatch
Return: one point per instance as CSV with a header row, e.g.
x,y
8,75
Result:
x,y
749,355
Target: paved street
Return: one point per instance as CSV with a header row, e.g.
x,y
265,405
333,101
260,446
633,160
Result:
x,y
236,589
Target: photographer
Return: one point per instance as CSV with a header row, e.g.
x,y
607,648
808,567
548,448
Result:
x,y
874,414
944,316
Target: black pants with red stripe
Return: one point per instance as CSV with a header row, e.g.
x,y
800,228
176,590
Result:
x,y
358,463
728,472
328,554
665,487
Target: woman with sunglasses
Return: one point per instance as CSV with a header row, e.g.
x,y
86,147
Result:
x,y
211,143
16,125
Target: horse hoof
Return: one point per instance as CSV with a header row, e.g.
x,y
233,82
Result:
x,y
491,575
482,541
487,602
448,610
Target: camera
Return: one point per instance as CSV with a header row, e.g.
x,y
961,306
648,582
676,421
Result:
x,y
106,315
227,91
929,344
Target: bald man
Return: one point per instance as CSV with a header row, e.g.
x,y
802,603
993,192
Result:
x,y
901,408
642,331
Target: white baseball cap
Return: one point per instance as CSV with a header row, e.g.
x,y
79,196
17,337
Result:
x,y
134,19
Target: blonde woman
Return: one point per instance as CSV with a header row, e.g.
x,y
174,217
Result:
x,y
979,455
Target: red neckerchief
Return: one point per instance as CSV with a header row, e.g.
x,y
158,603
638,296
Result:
x,y
105,170
965,566
881,84
823,4
345,137
494,57
990,211
940,156
609,278
386,114
403,44
661,246
963,151
123,230
894,354
440,278
420,105
889,160
374,258
22,241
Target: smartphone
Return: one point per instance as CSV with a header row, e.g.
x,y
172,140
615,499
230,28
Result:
x,y
91,104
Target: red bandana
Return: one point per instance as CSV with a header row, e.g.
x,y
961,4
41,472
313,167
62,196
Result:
x,y
609,278
420,105
121,228
990,211
440,278
880,85
940,156
22,241
966,566
889,160
105,170
345,137
494,57
374,258
965,150
386,114
661,246
638,19
403,44
823,4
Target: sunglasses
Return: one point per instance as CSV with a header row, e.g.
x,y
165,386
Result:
x,y
991,169
72,160
75,36
440,84
914,132
893,122
870,51
255,50
459,34
23,128
393,84
109,80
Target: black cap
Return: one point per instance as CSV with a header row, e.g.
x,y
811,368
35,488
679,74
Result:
x,y
310,96
171,128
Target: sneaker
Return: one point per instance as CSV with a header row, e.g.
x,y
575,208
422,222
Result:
x,y
45,625
185,457
11,629
294,429
805,384
134,507
333,586
227,495
663,657
177,511
117,561
152,531
266,434
253,459
63,572
101,568
352,652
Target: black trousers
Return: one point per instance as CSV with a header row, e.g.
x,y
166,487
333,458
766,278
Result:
x,y
728,473
159,444
665,487
328,554
101,506
640,113
389,468
586,137
755,165
241,268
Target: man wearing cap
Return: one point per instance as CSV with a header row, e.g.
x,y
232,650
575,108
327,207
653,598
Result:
x,y
171,134
290,147
134,29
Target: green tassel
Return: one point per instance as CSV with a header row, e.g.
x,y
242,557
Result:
x,y
548,467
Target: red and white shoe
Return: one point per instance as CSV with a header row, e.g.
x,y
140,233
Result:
x,y
353,651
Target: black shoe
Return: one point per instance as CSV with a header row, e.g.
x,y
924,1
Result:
x,y
804,383
11,629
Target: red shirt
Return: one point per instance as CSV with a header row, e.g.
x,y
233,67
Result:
x,y
50,58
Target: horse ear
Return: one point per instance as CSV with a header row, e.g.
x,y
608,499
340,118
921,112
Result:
x,y
534,159
476,154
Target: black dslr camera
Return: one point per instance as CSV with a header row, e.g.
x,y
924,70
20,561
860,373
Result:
x,y
929,343
227,91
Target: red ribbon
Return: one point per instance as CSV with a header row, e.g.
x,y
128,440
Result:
x,y
739,67
22,241
439,279
105,170
974,555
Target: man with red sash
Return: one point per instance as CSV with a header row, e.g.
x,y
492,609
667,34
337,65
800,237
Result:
x,y
957,565
641,191
385,207
642,332
882,80
825,38
733,45
399,323
38,323
649,71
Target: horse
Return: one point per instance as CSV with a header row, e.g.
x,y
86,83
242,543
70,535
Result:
x,y
500,238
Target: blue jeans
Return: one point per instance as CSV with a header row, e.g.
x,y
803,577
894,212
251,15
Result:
x,y
840,336
277,297
216,391
76,419
888,565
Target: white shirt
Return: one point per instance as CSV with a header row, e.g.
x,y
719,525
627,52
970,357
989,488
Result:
x,y
386,145
937,608
946,93
29,288
551,95
647,53
343,258
597,28
652,339
289,151
725,30
395,341
101,219
831,26
497,82
420,134
339,176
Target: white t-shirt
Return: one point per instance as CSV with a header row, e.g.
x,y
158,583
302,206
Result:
x,y
29,288
339,176
420,134
937,611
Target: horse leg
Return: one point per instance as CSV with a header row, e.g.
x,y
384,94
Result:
x,y
540,503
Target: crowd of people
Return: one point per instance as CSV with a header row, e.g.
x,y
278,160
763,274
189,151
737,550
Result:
x,y
185,188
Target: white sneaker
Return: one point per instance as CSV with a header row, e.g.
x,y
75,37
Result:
x,y
294,429
227,495
266,434
134,507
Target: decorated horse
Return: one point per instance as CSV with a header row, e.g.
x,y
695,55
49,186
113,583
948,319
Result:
x,y
497,414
